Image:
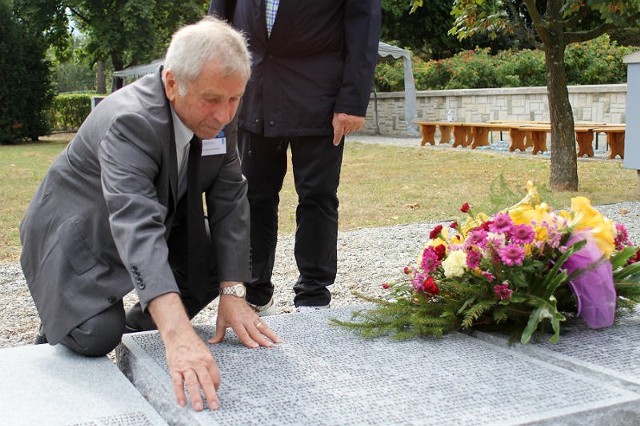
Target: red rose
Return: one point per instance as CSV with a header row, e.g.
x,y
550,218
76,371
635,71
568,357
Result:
x,y
429,286
454,225
465,208
435,232
440,250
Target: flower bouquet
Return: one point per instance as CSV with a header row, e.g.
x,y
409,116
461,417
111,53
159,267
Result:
x,y
523,271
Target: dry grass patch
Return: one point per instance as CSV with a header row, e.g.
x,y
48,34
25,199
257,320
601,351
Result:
x,y
380,185
383,186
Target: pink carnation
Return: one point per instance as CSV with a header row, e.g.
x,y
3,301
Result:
x,y
473,259
501,223
503,291
522,234
622,237
488,275
476,238
511,254
417,282
430,260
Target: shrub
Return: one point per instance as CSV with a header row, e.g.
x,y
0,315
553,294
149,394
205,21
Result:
x,y
522,68
26,89
472,69
598,61
69,110
389,76
432,75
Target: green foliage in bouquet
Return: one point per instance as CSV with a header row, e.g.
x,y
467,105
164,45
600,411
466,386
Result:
x,y
523,271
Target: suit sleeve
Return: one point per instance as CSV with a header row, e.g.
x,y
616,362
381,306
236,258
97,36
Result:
x,y
223,9
362,33
130,159
228,211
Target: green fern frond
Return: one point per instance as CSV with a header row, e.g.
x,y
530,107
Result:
x,y
476,311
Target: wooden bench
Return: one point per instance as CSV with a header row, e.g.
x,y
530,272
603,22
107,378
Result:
x,y
464,134
522,134
537,134
615,138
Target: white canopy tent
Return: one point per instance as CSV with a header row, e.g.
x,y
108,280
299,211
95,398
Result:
x,y
384,50
410,107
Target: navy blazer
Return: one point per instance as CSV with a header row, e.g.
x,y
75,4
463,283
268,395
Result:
x,y
319,59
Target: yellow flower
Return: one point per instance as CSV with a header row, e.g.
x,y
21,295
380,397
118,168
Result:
x,y
473,222
454,264
585,217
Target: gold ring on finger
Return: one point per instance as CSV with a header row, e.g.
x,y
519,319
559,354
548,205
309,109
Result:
x,y
258,324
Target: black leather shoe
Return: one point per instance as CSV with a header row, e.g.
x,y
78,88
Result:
x,y
40,339
137,320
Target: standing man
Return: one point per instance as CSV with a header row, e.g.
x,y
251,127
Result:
x,y
312,72
121,209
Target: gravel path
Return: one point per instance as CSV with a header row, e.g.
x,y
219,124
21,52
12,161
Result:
x,y
366,258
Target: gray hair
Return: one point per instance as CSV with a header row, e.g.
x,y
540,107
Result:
x,y
194,45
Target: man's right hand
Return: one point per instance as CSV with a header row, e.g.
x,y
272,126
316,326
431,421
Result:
x,y
189,359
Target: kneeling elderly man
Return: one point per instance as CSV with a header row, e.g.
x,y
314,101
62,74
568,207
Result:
x,y
121,207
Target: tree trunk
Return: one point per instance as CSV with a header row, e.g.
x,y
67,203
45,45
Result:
x,y
550,29
564,162
101,84
118,65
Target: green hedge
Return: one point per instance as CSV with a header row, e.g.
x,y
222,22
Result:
x,y
598,61
25,84
69,110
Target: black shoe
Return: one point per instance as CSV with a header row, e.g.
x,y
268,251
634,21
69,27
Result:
x,y
40,339
137,320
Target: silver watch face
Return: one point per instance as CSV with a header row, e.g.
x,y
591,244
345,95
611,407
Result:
x,y
237,290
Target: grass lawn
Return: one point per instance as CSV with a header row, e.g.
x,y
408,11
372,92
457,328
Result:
x,y
380,185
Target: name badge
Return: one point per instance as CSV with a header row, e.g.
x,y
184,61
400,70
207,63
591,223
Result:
x,y
215,146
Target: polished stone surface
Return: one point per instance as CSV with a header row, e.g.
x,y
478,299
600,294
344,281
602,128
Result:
x,y
611,354
52,386
326,375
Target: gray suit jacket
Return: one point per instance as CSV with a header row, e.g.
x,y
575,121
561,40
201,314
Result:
x,y
98,224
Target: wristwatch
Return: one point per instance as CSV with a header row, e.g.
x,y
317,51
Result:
x,y
237,290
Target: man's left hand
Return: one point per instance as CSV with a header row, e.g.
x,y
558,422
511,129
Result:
x,y
234,312
343,124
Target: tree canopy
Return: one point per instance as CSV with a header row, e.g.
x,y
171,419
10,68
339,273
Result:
x,y
126,32
552,25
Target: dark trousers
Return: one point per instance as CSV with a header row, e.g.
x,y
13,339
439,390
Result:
x,y
316,171
101,333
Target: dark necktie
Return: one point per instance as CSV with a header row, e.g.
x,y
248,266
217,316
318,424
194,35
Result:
x,y
197,268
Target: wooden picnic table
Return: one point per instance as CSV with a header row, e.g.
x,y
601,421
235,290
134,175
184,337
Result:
x,y
522,134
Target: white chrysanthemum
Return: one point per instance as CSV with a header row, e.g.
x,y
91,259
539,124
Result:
x,y
454,264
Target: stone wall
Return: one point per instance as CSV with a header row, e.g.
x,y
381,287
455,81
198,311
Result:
x,y
600,103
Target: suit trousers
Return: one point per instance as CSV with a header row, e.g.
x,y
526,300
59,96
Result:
x,y
101,333
316,171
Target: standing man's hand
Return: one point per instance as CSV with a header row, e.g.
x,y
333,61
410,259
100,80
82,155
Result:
x,y
234,312
343,124
189,359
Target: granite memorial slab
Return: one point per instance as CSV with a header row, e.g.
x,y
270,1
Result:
x,y
327,375
52,386
611,354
